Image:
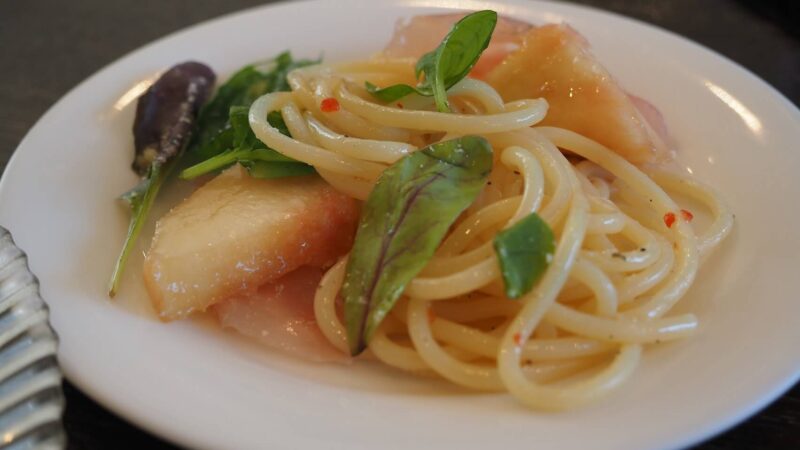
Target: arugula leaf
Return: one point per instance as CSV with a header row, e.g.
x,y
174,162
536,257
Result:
x,y
449,63
267,169
275,119
284,65
140,199
410,209
241,89
247,150
231,157
243,136
524,251
219,143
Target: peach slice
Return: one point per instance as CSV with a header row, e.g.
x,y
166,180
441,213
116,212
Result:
x,y
237,233
555,63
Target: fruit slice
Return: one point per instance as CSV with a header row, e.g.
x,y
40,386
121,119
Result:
x,y
237,233
555,63
281,315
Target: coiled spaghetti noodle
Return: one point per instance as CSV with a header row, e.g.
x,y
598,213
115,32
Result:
x,y
617,271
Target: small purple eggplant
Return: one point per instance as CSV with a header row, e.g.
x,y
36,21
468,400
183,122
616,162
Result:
x,y
166,113
165,120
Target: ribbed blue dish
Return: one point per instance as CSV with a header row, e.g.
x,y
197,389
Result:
x,y
31,400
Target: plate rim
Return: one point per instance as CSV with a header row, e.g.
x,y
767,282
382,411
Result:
x,y
164,432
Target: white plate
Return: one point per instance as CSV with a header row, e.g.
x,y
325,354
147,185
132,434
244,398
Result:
x,y
201,387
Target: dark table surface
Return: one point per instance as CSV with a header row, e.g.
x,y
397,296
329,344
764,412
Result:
x,y
48,46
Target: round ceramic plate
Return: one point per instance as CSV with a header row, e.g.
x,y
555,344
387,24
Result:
x,y
199,386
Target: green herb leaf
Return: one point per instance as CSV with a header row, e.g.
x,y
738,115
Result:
x,y
410,209
230,157
275,119
249,151
391,93
264,169
140,199
449,63
456,55
241,89
219,143
524,250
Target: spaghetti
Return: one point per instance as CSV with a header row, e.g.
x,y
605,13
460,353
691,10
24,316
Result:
x,y
617,271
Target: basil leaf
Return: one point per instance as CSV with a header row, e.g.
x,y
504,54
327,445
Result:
x,y
391,93
241,89
426,62
427,66
449,63
411,207
456,55
524,251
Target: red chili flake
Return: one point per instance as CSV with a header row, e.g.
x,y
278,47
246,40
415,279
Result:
x,y
431,315
517,338
669,219
687,215
330,104
400,105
